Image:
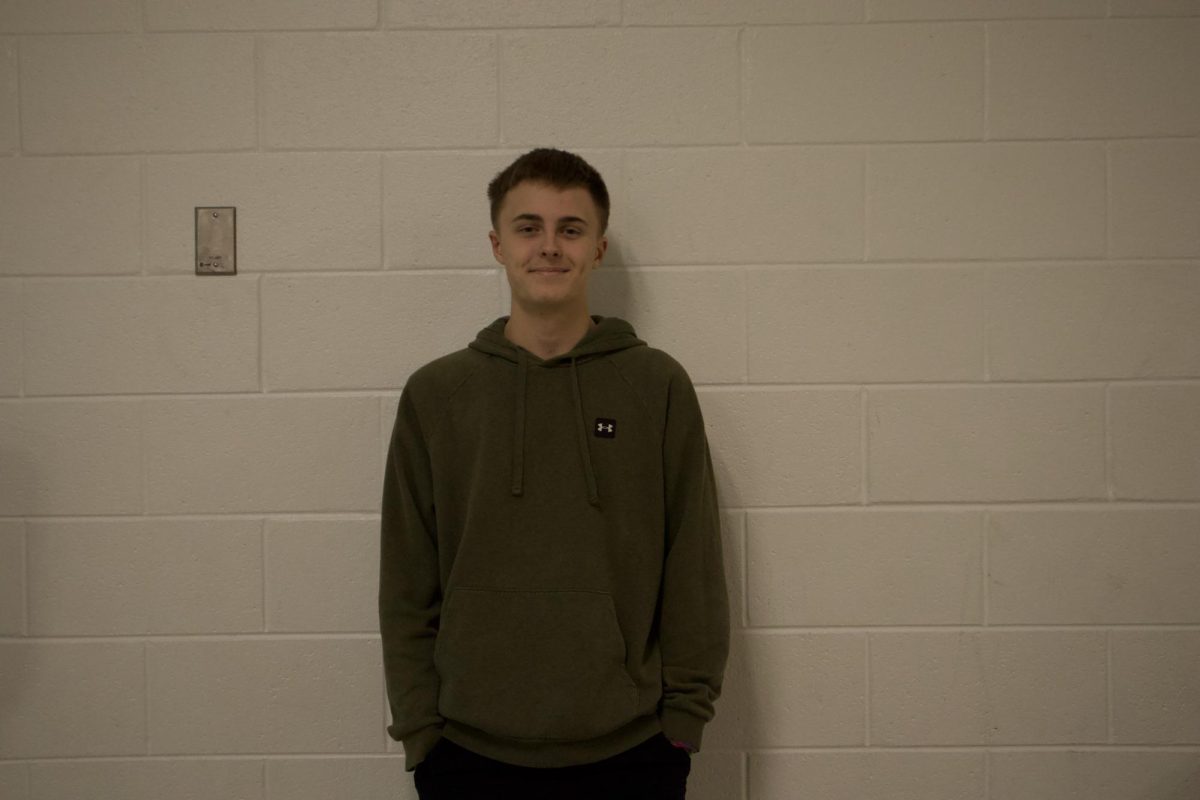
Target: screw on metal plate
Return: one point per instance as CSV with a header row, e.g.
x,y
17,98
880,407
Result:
x,y
216,240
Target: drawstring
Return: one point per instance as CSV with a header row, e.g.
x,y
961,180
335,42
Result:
x,y
518,464
593,494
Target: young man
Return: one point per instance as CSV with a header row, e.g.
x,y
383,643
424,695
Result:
x,y
552,598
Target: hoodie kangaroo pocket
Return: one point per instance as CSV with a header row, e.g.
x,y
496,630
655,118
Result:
x,y
544,665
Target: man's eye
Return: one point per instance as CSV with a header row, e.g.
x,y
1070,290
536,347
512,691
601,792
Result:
x,y
572,231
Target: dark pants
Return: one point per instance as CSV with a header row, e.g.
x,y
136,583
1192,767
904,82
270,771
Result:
x,y
653,770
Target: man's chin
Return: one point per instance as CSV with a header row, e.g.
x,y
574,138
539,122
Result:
x,y
548,303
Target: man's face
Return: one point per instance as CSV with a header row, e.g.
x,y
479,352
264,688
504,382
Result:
x,y
549,241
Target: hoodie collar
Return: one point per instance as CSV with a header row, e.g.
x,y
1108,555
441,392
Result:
x,y
608,335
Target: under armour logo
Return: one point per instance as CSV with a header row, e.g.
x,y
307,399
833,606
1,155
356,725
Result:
x,y
605,428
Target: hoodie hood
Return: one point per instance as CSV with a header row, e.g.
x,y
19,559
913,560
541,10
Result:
x,y
608,335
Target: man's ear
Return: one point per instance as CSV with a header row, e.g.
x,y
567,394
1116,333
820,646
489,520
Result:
x,y
601,249
494,238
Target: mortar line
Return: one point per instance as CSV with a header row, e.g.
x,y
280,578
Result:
x,y
987,321
382,166
745,568
1089,747
1109,685
144,216
202,757
146,694
258,291
1109,486
22,305
743,272
256,54
987,83
145,481
866,203
227,638
1108,201
969,629
741,62
499,88
864,418
987,567
262,546
25,577
17,74
867,690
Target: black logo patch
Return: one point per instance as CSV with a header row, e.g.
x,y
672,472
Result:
x,y
605,428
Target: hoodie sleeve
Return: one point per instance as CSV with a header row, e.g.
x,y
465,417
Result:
x,y
409,587
694,631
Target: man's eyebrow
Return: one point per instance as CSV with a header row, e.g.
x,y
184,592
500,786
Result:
x,y
538,218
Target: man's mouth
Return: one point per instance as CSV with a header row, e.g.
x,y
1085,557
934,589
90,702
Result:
x,y
548,269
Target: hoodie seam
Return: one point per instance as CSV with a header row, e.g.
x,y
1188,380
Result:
x,y
646,407
440,419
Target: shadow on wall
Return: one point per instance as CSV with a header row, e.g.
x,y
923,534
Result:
x,y
17,671
614,256
17,666
733,728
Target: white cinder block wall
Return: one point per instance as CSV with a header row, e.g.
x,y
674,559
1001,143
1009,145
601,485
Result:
x,y
933,264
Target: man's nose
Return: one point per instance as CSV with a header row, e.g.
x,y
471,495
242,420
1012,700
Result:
x,y
550,243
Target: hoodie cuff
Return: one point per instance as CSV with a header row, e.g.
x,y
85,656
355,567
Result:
x,y
682,727
418,745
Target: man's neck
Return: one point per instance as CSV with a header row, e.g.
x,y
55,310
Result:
x,y
547,336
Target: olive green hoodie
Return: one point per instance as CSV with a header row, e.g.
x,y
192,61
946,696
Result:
x,y
551,582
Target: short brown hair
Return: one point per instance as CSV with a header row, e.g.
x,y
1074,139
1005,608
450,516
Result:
x,y
559,169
